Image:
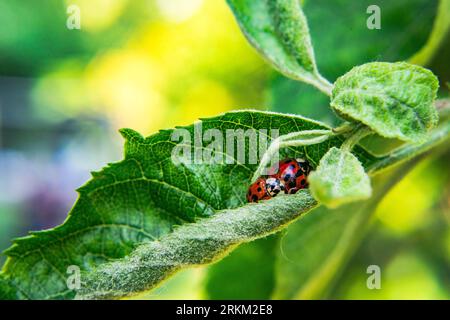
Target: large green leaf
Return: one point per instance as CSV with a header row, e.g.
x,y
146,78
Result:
x,y
140,199
396,100
129,203
211,238
279,31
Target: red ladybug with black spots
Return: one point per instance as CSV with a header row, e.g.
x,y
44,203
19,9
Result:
x,y
293,173
289,176
264,188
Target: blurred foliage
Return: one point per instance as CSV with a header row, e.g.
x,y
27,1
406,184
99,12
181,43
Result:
x,y
132,61
412,246
255,281
441,27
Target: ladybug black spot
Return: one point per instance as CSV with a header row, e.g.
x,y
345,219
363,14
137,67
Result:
x,y
292,184
303,182
254,198
287,177
259,189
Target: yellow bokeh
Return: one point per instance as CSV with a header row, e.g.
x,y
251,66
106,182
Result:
x,y
170,70
97,15
409,277
62,92
406,207
128,86
406,276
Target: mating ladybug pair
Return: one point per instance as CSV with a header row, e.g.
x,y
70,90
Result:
x,y
290,176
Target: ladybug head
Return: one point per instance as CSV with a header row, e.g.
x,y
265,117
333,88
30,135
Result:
x,y
274,186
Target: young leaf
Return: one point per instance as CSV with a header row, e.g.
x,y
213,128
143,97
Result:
x,y
141,199
279,31
340,178
394,99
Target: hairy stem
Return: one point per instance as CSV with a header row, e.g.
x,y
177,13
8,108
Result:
x,y
360,133
294,139
323,85
192,244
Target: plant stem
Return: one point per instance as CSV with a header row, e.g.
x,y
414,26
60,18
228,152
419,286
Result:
x,y
437,136
192,244
323,84
360,133
344,128
292,139
443,107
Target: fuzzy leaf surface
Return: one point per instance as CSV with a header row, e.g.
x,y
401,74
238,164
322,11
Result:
x,y
396,100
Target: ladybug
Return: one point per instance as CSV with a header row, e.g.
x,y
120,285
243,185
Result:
x,y
264,188
274,186
293,174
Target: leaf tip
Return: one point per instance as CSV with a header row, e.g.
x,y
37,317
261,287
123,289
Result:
x,y
130,134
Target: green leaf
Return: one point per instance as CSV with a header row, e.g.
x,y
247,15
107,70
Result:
x,y
340,178
143,198
315,248
279,31
396,100
36,267
145,267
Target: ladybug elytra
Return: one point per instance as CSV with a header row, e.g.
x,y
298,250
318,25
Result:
x,y
293,173
289,176
264,188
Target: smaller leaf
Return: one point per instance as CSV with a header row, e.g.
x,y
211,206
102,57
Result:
x,y
394,99
279,31
340,178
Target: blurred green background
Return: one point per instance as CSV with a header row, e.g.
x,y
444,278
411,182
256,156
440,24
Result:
x,y
152,64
